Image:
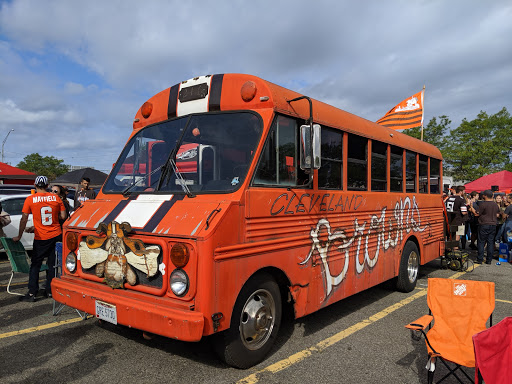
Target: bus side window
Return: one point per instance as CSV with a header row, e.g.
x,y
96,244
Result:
x,y
396,169
410,172
379,166
330,174
279,161
357,163
423,183
435,176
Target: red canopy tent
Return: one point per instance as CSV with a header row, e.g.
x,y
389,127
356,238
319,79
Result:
x,y
502,179
13,175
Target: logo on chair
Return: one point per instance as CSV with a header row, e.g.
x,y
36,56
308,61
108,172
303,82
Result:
x,y
459,289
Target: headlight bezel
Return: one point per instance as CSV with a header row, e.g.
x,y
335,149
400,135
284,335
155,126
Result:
x,y
180,277
71,260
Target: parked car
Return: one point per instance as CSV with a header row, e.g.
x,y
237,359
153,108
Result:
x,y
15,189
13,204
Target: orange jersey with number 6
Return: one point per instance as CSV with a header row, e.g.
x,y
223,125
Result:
x,y
45,209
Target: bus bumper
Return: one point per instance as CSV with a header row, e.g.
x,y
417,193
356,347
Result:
x,y
154,317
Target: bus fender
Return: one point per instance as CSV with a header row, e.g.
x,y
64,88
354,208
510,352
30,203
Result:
x,y
415,240
300,298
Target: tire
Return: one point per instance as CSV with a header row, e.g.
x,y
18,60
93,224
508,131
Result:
x,y
254,324
409,268
468,265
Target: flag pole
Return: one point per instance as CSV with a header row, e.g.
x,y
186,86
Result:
x,y
423,111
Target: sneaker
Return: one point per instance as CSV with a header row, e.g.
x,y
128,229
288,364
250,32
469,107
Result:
x,y
46,294
28,297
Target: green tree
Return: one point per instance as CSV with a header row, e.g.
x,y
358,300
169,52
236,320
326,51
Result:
x,y
480,146
434,133
48,166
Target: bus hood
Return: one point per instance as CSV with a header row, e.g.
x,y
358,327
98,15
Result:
x,y
173,215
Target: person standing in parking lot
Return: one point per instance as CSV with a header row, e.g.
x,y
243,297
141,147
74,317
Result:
x,y
61,192
46,209
5,219
84,193
487,215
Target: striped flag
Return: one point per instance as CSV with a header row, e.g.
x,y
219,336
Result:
x,y
407,114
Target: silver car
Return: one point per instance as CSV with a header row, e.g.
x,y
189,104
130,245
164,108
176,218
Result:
x,y
13,204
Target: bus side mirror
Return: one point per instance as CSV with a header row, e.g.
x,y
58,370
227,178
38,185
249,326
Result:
x,y
309,152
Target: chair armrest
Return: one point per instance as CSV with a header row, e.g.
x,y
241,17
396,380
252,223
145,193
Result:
x,y
421,323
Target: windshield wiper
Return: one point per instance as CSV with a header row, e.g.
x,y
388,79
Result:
x,y
183,182
128,188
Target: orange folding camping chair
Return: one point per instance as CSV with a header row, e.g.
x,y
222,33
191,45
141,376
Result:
x,y
493,353
460,309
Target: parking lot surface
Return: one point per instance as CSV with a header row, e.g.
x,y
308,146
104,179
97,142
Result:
x,y
361,339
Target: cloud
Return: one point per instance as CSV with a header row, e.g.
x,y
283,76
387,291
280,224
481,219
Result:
x,y
13,115
80,70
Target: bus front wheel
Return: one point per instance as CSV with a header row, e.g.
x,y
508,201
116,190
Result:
x,y
254,323
409,268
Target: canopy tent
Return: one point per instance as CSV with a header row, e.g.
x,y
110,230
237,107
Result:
x,y
74,177
502,180
13,175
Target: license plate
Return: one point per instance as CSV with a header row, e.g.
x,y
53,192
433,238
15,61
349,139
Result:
x,y
107,312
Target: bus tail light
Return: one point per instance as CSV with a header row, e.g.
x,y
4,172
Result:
x,y
72,241
71,262
179,282
180,255
146,109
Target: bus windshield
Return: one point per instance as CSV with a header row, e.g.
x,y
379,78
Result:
x,y
197,153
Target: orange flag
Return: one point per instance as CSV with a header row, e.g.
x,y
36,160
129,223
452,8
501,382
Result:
x,y
407,114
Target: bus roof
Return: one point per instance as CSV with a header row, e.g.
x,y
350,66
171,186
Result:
x,y
227,92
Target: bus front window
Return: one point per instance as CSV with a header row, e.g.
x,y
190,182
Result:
x,y
198,153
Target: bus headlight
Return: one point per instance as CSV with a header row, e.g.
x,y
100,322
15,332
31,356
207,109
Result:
x,y
72,241
179,282
71,262
180,255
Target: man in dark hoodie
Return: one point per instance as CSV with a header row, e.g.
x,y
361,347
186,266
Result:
x,y
487,215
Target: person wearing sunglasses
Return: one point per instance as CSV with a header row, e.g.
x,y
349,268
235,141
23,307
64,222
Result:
x,y
61,192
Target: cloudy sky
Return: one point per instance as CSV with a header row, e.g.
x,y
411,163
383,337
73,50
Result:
x,y
74,73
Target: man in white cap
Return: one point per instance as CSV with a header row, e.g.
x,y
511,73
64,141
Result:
x,y
46,208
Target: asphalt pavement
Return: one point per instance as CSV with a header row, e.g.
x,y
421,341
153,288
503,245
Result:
x,y
361,339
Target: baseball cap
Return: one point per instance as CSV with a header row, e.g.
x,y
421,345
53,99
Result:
x,y
41,181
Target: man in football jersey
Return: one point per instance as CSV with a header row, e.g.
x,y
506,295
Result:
x,y
46,208
457,211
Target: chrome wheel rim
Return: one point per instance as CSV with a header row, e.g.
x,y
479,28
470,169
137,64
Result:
x,y
413,266
257,319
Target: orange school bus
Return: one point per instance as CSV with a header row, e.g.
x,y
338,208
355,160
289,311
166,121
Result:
x,y
234,200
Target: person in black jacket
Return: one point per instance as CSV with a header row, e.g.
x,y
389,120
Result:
x,y
84,193
487,216
457,212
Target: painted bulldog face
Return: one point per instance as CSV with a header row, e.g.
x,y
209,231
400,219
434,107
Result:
x,y
114,254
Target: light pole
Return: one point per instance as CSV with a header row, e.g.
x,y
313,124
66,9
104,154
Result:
x,y
3,143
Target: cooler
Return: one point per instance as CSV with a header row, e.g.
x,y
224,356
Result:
x,y
503,253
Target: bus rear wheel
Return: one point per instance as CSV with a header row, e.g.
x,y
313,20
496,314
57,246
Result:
x,y
409,268
254,324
